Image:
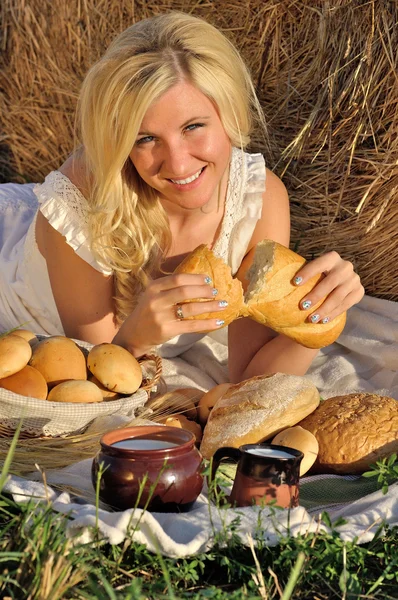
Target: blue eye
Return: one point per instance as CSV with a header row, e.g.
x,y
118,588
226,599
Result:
x,y
145,140
194,126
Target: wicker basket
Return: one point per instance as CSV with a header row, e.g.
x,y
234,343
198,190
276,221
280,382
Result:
x,y
52,419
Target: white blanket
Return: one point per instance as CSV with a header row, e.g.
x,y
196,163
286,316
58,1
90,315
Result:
x,y
364,359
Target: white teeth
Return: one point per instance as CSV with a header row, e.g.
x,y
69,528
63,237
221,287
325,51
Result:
x,y
184,181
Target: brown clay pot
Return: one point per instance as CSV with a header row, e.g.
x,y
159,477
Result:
x,y
163,462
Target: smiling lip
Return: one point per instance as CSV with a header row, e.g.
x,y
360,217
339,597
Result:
x,y
191,182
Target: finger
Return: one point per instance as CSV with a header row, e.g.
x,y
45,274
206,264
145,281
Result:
x,y
187,293
179,280
199,325
322,264
342,278
338,302
193,309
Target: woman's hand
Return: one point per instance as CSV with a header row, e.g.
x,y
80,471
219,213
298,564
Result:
x,y
341,287
161,314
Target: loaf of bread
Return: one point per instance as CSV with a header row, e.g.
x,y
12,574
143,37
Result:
x,y
15,353
257,409
115,368
203,260
271,297
353,432
300,439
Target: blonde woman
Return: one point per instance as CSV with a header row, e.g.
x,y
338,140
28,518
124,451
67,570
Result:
x,y
165,117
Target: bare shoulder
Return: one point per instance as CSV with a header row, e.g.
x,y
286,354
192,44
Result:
x,y
274,222
75,169
275,190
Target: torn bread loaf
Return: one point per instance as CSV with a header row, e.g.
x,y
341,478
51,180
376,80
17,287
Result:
x,y
271,297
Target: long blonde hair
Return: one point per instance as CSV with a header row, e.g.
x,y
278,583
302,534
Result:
x,y
128,227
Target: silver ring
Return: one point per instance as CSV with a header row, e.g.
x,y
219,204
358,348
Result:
x,y
179,313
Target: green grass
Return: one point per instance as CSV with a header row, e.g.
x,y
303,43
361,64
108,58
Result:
x,y
39,562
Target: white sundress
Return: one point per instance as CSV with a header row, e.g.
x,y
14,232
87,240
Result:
x,y
26,297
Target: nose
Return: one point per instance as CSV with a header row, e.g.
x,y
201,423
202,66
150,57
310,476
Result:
x,y
175,159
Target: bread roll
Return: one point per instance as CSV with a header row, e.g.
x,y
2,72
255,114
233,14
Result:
x,y
183,423
176,401
85,392
27,335
271,297
115,368
257,409
273,300
208,401
15,353
299,439
202,260
58,359
106,394
353,432
27,382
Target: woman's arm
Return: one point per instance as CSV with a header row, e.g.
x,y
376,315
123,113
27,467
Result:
x,y
82,294
255,349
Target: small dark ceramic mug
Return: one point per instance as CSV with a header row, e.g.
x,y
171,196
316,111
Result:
x,y
152,466
266,473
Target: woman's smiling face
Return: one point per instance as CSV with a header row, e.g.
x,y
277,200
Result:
x,y
182,149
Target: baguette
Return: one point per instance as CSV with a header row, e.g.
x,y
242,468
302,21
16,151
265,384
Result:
x,y
257,409
271,298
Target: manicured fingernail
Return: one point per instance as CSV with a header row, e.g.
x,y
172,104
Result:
x,y
220,322
297,280
306,304
215,292
325,320
223,303
208,280
314,318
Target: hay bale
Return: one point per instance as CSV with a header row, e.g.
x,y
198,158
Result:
x,y
326,77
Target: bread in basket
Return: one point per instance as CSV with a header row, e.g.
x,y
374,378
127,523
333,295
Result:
x,y
47,418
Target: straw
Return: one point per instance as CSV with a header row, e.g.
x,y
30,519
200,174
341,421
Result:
x,y
326,74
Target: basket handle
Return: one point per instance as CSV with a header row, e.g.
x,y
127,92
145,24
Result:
x,y
147,384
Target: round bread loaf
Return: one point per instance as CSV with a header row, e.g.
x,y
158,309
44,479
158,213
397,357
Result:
x,y
183,423
58,359
208,401
272,299
257,409
115,368
15,353
177,401
84,392
299,439
353,431
202,260
27,382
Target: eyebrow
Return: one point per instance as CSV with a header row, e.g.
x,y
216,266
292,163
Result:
x,y
194,119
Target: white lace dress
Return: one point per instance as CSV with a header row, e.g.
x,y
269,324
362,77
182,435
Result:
x,y
25,290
